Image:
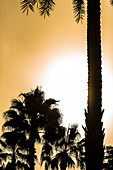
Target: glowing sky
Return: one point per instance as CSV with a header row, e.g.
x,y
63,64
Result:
x,y
29,46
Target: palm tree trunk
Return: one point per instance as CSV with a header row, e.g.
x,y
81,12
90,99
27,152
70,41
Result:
x,y
32,146
13,160
94,135
63,166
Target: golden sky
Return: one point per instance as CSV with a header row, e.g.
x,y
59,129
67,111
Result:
x,y
29,44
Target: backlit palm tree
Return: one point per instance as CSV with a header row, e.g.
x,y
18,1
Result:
x,y
63,152
14,131
42,118
25,120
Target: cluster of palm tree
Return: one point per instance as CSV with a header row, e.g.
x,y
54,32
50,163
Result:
x,y
67,151
31,119
94,132
94,113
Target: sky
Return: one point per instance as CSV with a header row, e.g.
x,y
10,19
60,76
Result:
x,y
34,49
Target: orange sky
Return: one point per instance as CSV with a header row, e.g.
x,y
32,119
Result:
x,y
29,44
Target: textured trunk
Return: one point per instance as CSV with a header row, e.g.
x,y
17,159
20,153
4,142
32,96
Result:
x,y
94,135
13,160
63,167
32,146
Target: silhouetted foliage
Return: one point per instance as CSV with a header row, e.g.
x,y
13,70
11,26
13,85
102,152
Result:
x,y
78,9
28,117
64,151
13,135
44,6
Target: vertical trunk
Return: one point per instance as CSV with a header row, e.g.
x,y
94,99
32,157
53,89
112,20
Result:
x,y
94,135
46,166
32,164
63,166
13,159
32,146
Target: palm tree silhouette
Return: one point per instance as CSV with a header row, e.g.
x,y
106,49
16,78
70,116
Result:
x,y
63,152
27,118
14,132
41,116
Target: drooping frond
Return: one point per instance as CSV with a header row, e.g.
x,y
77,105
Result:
x,y
18,105
22,165
78,9
28,4
45,7
10,114
54,163
111,2
70,162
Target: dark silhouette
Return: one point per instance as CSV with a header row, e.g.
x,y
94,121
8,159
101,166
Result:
x,y
27,118
61,153
15,129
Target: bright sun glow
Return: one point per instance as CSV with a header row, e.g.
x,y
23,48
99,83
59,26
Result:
x,y
66,80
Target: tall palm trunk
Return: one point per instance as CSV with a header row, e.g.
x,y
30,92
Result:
x,y
94,135
32,146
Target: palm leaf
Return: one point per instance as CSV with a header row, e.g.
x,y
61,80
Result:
x,y
45,7
54,163
78,9
46,159
70,162
22,165
47,149
17,104
111,2
3,144
10,114
27,4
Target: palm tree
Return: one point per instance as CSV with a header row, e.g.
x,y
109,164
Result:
x,y
63,152
41,116
13,132
25,120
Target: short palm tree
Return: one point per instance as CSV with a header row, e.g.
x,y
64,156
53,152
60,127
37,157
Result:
x,y
63,152
14,131
42,118
25,120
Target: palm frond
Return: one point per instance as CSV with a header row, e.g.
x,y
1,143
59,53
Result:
x,y
28,4
54,163
73,132
18,105
22,165
48,149
50,102
5,156
46,159
111,2
10,114
78,9
70,162
45,7
11,124
2,143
